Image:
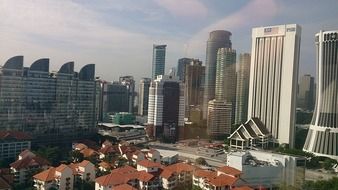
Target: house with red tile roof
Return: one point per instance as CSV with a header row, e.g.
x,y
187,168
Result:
x,y
127,176
61,177
223,178
64,176
27,162
177,175
12,143
84,170
105,166
148,166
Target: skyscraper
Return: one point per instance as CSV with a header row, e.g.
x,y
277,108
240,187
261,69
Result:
x,y
158,66
117,97
181,65
194,75
143,96
306,93
226,77
129,82
322,138
221,109
273,79
217,39
166,108
242,89
55,107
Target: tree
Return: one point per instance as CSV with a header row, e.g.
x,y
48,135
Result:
x,y
331,184
52,153
201,161
76,156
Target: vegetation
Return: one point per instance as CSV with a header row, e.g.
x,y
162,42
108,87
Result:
x,y
53,154
313,162
76,156
331,184
300,137
201,161
303,117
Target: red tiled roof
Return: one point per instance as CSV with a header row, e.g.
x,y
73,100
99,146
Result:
x,y
29,161
46,175
205,173
149,164
222,180
229,170
124,187
80,146
123,175
144,176
26,153
61,168
243,188
168,171
108,149
88,152
84,163
18,135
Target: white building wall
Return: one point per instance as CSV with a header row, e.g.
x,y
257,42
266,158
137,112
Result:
x,y
274,79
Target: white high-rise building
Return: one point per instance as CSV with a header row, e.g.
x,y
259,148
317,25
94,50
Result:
x,y
166,107
274,78
322,138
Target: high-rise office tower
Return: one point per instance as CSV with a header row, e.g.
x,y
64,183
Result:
x,y
221,109
273,79
116,96
306,93
129,82
322,138
194,75
242,89
217,39
54,108
226,78
166,107
181,67
143,96
158,65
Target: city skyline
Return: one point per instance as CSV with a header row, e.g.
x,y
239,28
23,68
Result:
x,y
42,30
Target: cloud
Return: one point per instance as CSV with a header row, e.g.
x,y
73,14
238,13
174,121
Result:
x,y
184,8
65,30
256,11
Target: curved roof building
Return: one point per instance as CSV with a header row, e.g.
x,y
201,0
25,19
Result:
x,y
322,138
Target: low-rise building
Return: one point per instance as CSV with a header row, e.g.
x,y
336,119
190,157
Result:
x,y
268,169
126,178
224,178
84,170
64,176
12,143
179,174
252,133
27,163
61,177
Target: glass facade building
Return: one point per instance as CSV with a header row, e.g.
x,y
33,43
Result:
x,y
53,107
158,60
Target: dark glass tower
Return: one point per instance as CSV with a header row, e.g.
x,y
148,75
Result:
x,y
158,60
217,39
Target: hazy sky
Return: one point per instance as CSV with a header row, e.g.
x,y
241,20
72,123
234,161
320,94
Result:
x,y
117,35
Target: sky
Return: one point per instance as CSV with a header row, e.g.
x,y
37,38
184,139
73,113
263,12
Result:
x,y
118,35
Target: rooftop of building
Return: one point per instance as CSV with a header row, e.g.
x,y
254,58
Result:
x,y
17,135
